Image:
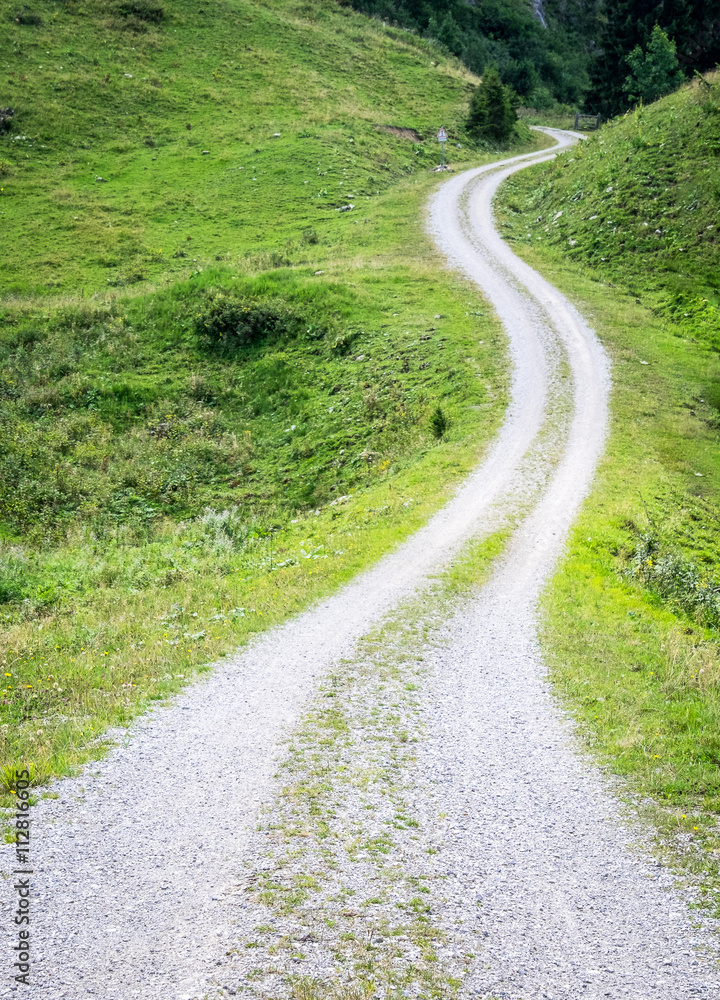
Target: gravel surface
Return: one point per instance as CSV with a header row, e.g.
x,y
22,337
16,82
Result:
x,y
566,907
140,864
436,825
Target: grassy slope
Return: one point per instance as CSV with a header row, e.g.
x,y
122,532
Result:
x,y
639,202
179,119
633,616
120,428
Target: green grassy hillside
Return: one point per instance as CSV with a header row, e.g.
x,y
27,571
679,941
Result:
x,y
639,201
222,394
627,226
145,143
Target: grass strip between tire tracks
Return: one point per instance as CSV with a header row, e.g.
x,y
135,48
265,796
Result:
x,y
341,865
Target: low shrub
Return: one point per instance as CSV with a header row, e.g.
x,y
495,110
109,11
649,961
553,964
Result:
x,y
229,325
439,423
144,10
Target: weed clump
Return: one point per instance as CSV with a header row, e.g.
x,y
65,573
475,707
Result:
x,y
675,580
691,667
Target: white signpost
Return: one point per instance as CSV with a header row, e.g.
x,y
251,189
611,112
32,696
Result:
x,y
442,139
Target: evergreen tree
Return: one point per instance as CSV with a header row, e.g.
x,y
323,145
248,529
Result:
x,y
655,71
625,24
521,76
449,34
492,110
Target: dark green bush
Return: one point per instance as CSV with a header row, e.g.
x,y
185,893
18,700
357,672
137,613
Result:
x,y
25,16
144,10
439,422
229,325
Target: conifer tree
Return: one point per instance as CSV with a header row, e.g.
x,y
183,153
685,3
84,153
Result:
x,y
492,110
449,34
653,72
694,25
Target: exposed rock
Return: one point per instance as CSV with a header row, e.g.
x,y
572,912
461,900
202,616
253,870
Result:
x,y
539,12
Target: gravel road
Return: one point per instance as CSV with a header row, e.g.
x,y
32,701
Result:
x,y
136,864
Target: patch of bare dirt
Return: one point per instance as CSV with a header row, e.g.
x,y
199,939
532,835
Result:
x,y
402,131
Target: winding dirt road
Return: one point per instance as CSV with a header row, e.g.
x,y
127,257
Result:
x,y
136,862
